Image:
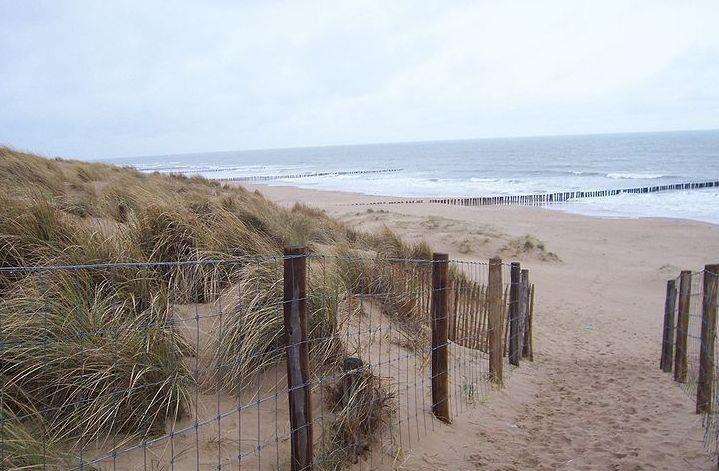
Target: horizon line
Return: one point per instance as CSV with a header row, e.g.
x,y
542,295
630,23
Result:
x,y
400,142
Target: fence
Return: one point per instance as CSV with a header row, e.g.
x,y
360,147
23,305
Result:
x,y
298,361
543,199
689,343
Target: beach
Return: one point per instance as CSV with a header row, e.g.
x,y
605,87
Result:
x,y
215,390
359,236
594,398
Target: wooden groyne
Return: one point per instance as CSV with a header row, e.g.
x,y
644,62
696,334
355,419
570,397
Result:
x,y
255,178
185,171
542,199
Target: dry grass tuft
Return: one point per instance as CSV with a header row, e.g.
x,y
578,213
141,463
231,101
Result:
x,y
31,447
528,246
83,354
399,288
362,409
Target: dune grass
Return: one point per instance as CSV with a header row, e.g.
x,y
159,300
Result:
x,y
95,354
529,246
362,407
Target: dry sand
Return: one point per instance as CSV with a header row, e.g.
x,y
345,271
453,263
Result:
x,y
594,397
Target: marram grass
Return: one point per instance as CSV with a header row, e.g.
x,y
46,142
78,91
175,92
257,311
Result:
x,y
96,355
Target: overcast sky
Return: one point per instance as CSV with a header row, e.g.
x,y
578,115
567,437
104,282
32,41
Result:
x,y
97,79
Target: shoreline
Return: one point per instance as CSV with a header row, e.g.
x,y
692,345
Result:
x,y
315,197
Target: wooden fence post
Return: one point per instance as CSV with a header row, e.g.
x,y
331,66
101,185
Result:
x,y
505,321
529,334
525,313
298,382
440,380
668,331
680,353
494,321
708,335
514,313
453,332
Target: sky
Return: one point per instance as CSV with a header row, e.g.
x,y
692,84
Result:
x,y
94,79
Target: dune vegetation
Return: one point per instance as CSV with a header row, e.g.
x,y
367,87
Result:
x,y
528,246
94,354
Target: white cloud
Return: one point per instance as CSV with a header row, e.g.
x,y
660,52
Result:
x,y
109,78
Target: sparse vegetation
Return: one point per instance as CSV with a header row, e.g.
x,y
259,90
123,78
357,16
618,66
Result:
x,y
362,409
528,246
465,247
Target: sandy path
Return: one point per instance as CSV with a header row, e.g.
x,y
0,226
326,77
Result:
x,y
582,405
594,398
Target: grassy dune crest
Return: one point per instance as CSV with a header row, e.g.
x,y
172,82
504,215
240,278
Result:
x,y
97,355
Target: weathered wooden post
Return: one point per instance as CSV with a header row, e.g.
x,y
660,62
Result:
x,y
514,313
440,379
494,321
505,321
705,384
524,333
529,334
668,331
680,354
298,382
453,332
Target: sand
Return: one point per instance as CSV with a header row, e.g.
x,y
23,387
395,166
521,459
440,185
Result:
x,y
594,398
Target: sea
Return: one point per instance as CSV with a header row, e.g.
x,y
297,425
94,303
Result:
x,y
484,167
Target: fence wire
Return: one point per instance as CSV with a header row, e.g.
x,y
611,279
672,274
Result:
x,y
682,345
183,365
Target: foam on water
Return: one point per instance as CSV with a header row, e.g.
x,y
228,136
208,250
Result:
x,y
473,168
700,205
422,186
636,176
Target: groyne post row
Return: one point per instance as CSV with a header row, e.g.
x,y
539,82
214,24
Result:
x,y
262,178
171,170
542,199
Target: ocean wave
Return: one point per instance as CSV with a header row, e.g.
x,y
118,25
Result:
x,y
699,205
484,180
635,176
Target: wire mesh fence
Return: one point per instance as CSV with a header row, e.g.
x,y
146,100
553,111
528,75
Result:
x,y
689,343
280,362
